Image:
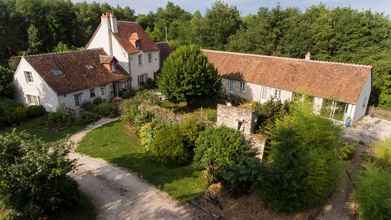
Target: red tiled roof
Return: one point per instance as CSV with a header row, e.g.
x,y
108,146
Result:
x,y
78,70
128,31
338,81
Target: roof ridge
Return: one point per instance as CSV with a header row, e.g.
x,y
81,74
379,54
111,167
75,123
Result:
x,y
133,22
60,53
290,58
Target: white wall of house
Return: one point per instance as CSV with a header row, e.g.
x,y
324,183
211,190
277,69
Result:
x,y
262,94
47,96
146,67
68,100
362,102
101,38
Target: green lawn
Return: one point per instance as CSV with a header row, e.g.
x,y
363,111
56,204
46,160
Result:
x,y
116,144
39,128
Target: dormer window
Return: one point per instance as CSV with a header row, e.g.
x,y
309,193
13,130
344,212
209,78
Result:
x,y
138,44
56,71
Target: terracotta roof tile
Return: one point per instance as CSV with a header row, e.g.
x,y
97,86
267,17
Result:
x,y
131,31
338,81
77,70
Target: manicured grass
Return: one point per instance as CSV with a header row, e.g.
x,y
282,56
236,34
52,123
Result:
x,y
39,128
116,144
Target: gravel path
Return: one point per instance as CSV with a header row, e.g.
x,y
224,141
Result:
x,y
118,194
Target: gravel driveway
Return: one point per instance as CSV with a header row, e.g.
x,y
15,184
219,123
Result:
x,y
369,130
118,194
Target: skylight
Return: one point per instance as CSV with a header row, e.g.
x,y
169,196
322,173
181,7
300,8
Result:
x,y
89,67
56,72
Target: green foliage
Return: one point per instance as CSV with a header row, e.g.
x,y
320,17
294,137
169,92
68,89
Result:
x,y
382,153
346,152
88,117
268,113
12,112
304,164
6,83
62,47
169,146
59,119
187,75
227,157
191,128
34,111
105,109
373,193
33,176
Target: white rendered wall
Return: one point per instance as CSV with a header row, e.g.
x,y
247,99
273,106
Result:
x,y
145,68
101,38
253,92
68,101
48,98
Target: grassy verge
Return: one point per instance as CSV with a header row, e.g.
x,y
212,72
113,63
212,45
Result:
x,y
116,144
39,128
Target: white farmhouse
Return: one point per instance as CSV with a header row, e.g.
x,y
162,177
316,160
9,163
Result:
x,y
119,56
67,80
338,91
130,45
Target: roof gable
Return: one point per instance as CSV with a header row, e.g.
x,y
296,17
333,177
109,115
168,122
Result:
x,y
79,70
338,81
129,33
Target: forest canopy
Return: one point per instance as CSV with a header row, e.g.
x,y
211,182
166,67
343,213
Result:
x,y
339,34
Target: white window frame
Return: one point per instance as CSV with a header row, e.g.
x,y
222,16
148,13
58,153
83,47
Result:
x,y
29,76
77,98
277,94
242,86
150,60
264,92
92,93
102,91
141,79
231,85
33,100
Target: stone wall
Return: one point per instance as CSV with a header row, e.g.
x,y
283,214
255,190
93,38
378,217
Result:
x,y
238,118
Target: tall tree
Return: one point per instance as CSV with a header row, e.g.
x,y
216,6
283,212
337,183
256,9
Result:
x,y
221,21
34,39
188,76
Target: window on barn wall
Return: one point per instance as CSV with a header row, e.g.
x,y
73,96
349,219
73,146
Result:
x,y
264,92
333,109
242,86
231,85
277,94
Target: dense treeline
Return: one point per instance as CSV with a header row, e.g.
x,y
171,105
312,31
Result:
x,y
340,34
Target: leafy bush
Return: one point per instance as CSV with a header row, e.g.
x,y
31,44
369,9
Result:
x,y
347,151
373,193
382,152
34,111
88,117
169,146
224,152
33,176
59,119
191,128
304,165
106,109
126,93
6,83
98,101
187,75
88,106
268,113
147,133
